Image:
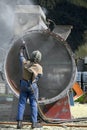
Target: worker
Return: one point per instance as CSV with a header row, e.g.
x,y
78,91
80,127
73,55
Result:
x,y
50,24
31,72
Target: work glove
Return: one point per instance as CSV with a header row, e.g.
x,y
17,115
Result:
x,y
22,50
22,46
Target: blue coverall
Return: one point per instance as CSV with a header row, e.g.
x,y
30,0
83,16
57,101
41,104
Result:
x,y
25,94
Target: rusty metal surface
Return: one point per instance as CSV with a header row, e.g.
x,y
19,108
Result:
x,y
59,109
57,61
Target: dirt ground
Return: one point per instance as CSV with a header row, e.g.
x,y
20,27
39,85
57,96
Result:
x,y
78,110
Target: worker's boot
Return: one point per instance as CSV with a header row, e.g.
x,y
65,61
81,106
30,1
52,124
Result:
x,y
36,125
19,125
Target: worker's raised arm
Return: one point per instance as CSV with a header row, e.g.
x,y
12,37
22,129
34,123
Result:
x,y
22,58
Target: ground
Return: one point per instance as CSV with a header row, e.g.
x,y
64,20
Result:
x,y
78,110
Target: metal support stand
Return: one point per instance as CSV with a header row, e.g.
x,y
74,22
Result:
x,y
58,110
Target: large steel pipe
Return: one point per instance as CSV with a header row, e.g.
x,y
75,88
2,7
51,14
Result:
x,y
58,65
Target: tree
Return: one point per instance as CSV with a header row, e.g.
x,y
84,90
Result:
x,y
48,3
81,51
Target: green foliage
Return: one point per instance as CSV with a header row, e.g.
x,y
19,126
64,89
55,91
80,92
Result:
x,y
50,4
81,51
82,3
70,12
82,99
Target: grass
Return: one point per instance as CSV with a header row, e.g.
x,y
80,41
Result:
x,y
82,99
